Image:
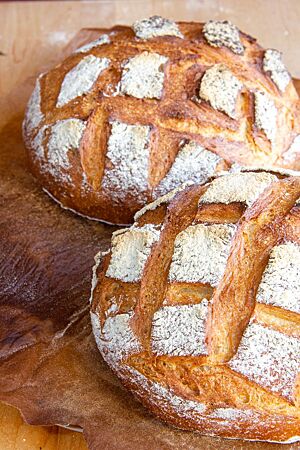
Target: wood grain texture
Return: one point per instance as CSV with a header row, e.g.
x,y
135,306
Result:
x,y
31,36
16,435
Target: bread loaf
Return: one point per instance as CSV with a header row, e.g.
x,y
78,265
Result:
x,y
143,109
196,307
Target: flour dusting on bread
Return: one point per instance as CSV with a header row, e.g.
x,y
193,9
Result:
x,y
234,414
81,78
143,76
293,151
180,330
280,284
65,135
238,187
126,171
156,26
251,394
190,81
116,340
220,88
273,63
269,358
38,144
201,252
34,114
223,33
104,39
130,251
193,164
265,114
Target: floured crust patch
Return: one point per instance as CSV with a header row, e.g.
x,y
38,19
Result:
x,y
128,156
37,144
273,63
294,151
233,414
143,76
193,164
34,114
104,39
180,330
156,26
116,340
269,358
265,114
81,78
65,135
238,187
223,33
220,88
130,250
280,284
200,253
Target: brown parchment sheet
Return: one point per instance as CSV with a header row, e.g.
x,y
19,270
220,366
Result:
x,y
50,368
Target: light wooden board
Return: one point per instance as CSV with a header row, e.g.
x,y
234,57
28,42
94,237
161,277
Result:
x,y
16,435
31,36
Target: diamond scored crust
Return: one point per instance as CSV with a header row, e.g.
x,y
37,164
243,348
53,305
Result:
x,y
34,115
104,39
263,353
200,253
64,135
220,88
81,78
156,26
130,250
265,114
238,187
218,34
128,154
273,63
269,358
280,284
143,76
193,164
275,273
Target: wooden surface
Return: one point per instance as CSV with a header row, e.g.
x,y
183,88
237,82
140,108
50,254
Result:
x,y
16,435
32,33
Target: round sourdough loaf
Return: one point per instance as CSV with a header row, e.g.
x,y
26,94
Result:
x,y
196,307
143,109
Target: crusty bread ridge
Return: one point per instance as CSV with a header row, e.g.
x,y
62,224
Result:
x,y
142,109
196,307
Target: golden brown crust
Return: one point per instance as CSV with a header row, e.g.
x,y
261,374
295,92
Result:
x,y
152,291
257,235
177,117
237,387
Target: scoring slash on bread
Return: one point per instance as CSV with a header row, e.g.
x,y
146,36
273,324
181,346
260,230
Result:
x,y
143,109
196,306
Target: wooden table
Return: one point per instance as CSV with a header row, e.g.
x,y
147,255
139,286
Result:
x,y
16,435
31,36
